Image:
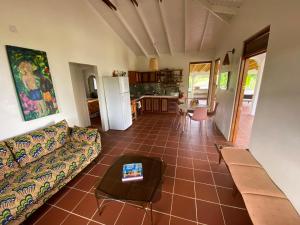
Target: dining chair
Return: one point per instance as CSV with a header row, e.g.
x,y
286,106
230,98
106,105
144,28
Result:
x,y
211,115
200,114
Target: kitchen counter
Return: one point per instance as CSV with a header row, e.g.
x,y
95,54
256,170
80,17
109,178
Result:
x,y
156,96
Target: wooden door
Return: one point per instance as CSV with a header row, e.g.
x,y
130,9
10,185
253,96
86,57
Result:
x,y
214,85
156,105
239,100
164,105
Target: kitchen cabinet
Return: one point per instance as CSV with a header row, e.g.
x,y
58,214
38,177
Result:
x,y
145,77
156,105
152,77
164,105
159,105
134,77
148,104
172,105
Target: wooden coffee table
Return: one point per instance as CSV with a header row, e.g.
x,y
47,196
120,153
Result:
x,y
142,192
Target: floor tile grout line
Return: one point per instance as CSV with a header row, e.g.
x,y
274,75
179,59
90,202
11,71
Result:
x,y
172,198
90,219
218,198
195,193
119,214
198,182
86,193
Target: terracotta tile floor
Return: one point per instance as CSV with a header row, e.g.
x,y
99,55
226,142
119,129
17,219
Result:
x,y
245,126
196,189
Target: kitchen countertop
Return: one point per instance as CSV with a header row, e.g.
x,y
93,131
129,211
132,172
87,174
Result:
x,y
156,96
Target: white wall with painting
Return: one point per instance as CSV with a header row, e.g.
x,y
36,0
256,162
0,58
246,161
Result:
x,y
69,31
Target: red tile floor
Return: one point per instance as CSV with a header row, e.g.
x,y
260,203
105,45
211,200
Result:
x,y
245,126
196,189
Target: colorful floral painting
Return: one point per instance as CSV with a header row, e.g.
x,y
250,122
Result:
x,y
33,82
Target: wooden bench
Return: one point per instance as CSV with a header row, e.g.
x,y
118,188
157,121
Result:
x,y
265,202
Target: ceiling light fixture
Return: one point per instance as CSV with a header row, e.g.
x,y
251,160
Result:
x,y
226,60
153,64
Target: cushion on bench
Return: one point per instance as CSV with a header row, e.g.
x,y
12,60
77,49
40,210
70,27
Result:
x,y
238,157
267,210
254,180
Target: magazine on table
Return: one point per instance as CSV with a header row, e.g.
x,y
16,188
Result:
x,y
132,172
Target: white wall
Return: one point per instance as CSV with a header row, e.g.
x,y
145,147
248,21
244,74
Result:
x,y
275,140
176,61
78,82
69,31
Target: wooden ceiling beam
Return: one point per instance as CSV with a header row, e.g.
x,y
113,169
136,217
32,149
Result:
x,y
110,5
146,27
204,30
127,27
224,9
209,7
166,30
135,3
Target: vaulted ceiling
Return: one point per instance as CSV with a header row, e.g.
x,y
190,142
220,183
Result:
x,y
154,27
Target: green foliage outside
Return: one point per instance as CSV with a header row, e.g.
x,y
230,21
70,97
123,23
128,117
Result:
x,y
223,80
201,81
251,82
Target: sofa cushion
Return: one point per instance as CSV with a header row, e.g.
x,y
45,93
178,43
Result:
x,y
267,210
254,180
7,162
38,178
30,147
238,157
87,135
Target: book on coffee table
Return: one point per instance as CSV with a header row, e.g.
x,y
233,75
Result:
x,y
132,172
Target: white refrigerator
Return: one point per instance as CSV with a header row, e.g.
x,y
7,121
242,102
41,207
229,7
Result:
x,y
118,102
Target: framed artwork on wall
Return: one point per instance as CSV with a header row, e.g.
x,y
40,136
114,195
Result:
x,y
224,80
33,82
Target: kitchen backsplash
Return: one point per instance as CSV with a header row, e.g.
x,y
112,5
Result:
x,y
151,89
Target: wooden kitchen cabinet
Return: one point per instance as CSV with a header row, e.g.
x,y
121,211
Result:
x,y
172,105
148,104
144,77
152,78
159,105
164,105
156,105
134,77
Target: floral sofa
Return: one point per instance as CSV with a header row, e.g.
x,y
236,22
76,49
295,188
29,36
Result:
x,y
36,165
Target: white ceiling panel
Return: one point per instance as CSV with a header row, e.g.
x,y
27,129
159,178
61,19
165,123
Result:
x,y
170,26
150,10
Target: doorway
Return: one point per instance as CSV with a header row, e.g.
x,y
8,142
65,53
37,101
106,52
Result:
x,y
85,88
250,97
247,94
199,82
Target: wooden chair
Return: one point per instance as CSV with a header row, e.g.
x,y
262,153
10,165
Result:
x,y
211,115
